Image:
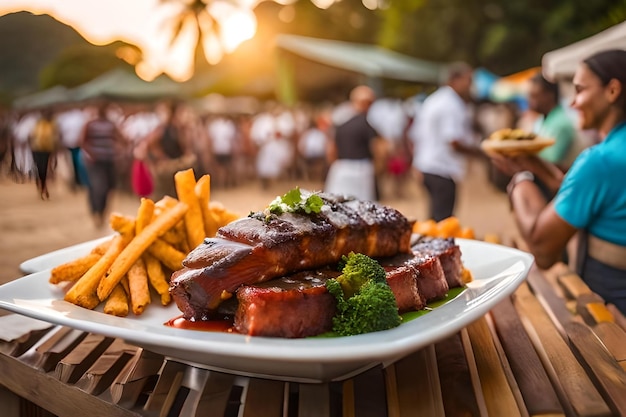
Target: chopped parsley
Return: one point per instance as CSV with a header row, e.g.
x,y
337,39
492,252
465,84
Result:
x,y
294,202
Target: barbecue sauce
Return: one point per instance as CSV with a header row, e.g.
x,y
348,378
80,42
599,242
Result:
x,y
224,325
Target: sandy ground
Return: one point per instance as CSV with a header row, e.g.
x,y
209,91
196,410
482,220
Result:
x,y
30,227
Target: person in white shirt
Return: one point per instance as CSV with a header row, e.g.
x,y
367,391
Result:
x,y
444,138
222,133
71,123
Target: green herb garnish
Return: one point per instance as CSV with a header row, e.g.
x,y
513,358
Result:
x,y
293,202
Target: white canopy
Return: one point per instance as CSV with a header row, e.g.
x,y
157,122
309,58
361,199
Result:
x,y
561,63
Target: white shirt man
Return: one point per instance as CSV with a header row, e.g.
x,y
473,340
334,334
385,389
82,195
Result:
x,y
444,136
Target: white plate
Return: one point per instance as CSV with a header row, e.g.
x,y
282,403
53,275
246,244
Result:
x,y
52,259
497,272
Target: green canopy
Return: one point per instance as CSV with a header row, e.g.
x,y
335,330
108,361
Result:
x,y
122,84
370,60
44,98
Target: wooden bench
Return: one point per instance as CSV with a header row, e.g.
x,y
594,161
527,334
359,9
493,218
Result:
x,y
532,355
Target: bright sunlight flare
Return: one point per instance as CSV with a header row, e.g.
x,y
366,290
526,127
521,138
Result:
x,y
166,31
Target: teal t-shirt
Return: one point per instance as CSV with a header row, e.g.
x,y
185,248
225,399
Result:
x,y
593,193
558,125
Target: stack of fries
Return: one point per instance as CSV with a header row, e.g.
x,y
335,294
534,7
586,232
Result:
x,y
145,250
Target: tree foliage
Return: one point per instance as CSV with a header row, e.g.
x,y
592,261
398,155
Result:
x,y
78,64
503,36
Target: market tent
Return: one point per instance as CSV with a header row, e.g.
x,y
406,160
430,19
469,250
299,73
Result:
x,y
125,85
370,60
51,96
561,63
512,87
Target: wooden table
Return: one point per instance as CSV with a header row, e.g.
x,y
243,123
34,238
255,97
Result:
x,y
551,349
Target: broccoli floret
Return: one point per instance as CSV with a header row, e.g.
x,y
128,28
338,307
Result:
x,y
372,305
356,269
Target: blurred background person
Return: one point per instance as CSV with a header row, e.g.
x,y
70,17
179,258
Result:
x,y
352,171
444,138
222,134
44,140
71,122
22,164
590,198
553,121
101,143
312,147
167,150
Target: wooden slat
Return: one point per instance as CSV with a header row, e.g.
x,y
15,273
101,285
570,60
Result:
x,y
608,375
194,380
457,390
498,394
592,309
577,393
620,320
365,395
106,368
214,396
530,375
573,285
473,369
170,378
418,389
613,338
47,392
132,380
264,398
75,363
20,345
57,343
10,403
314,400
552,303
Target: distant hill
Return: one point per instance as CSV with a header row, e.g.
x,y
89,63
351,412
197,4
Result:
x,y
29,43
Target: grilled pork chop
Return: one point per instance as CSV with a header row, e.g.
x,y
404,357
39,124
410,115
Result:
x,y
265,246
299,305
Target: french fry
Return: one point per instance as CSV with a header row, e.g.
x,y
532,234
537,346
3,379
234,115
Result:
x,y
117,303
83,293
203,193
137,246
144,214
220,216
165,203
124,284
138,286
157,279
73,270
121,223
167,254
176,234
102,247
185,182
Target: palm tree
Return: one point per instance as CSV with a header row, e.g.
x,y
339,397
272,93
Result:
x,y
208,29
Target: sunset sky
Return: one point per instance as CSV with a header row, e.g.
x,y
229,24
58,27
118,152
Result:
x,y
140,22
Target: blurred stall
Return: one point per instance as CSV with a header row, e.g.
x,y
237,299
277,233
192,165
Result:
x,y
49,97
561,63
122,84
310,64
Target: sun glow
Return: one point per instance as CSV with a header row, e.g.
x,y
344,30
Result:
x,y
144,23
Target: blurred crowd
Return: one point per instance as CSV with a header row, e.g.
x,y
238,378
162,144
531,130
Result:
x,y
274,143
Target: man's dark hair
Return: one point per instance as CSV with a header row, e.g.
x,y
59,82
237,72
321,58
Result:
x,y
550,87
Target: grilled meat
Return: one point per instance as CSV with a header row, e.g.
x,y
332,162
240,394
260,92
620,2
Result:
x,y
299,305
449,255
262,246
295,306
